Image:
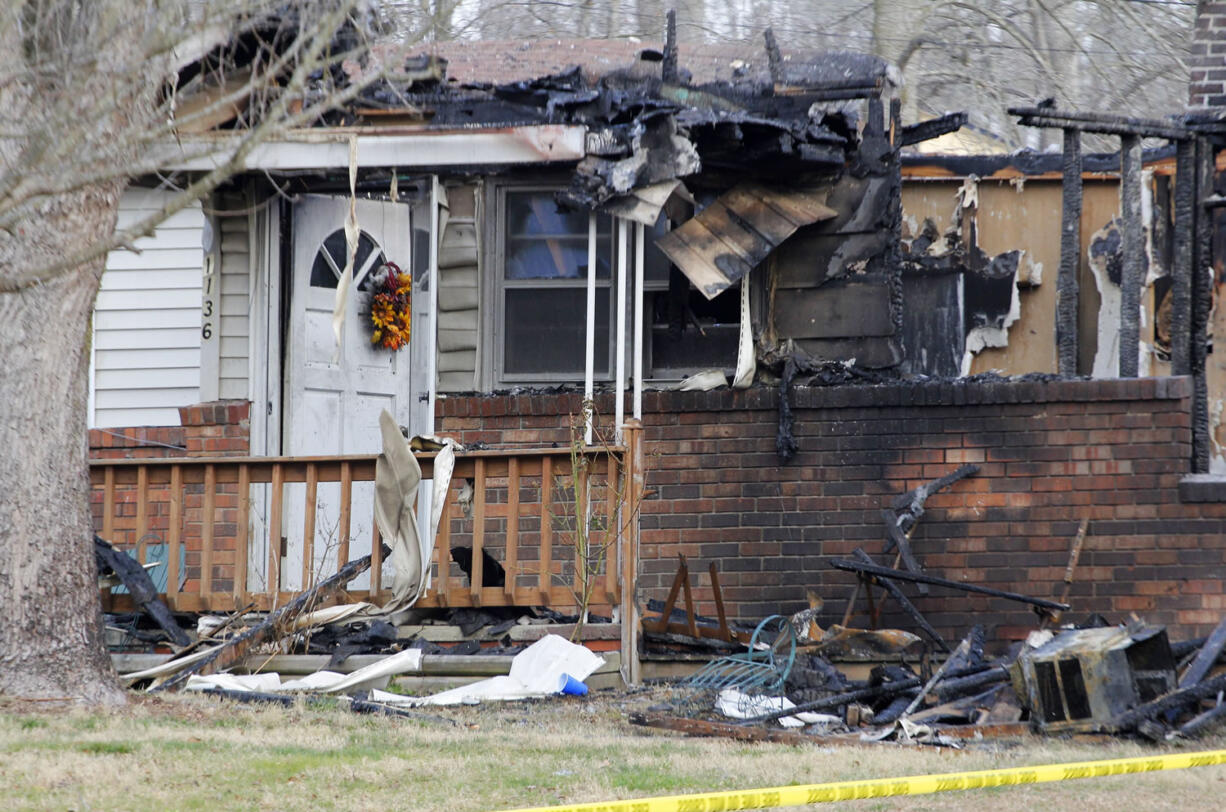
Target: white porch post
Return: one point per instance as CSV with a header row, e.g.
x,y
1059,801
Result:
x,y
619,404
432,345
590,337
639,235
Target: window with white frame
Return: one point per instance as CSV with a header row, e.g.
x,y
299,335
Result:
x,y
540,299
541,290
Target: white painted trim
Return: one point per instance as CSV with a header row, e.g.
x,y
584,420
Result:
x,y
589,374
432,360
619,403
210,311
639,237
329,148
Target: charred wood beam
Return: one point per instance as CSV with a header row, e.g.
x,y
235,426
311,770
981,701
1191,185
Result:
x,y
1181,271
895,537
1132,275
904,602
960,686
1104,123
140,586
1202,301
669,72
1205,658
1199,724
913,501
1173,701
963,648
847,565
933,128
1067,289
274,626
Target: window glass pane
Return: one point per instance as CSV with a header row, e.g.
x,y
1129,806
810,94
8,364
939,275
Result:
x,y
545,243
655,264
322,273
545,331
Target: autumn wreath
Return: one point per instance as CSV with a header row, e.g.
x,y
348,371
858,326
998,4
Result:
x,y
391,307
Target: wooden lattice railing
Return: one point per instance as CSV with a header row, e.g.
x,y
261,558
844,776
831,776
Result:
x,y
208,522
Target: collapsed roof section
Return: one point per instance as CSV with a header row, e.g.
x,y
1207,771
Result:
x,y
786,164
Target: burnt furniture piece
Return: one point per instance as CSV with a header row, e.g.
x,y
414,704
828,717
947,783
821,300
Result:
x,y
1085,679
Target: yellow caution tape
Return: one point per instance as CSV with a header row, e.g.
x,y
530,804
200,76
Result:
x,y
884,787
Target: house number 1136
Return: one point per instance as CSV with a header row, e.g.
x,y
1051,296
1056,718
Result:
x,y
207,303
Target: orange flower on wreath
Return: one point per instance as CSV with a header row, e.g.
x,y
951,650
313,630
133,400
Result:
x,y
391,307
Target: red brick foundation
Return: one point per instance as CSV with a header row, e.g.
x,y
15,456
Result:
x,y
1051,454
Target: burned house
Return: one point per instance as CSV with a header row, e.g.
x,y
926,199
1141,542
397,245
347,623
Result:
x,y
605,221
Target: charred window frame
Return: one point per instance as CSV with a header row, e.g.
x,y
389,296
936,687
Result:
x,y
686,332
538,289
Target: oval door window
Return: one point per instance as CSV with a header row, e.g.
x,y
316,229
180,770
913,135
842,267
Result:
x,y
330,260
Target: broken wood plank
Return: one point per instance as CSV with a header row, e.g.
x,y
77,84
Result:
x,y
904,602
1203,721
140,586
1073,557
1205,658
963,708
848,565
1173,701
932,128
896,538
913,501
958,686
959,653
274,626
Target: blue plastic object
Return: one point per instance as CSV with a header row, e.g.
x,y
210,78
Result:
x,y
573,687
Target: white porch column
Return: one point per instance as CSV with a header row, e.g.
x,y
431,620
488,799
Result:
x,y
619,407
639,236
590,337
432,360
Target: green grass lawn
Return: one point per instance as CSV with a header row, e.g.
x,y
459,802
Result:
x,y
191,752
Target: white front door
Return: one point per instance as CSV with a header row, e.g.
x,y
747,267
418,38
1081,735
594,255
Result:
x,y
334,394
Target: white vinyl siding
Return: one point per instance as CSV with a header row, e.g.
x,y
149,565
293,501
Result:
x,y
233,366
146,339
458,293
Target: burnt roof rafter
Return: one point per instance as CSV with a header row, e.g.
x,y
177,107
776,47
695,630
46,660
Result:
x,y
1103,123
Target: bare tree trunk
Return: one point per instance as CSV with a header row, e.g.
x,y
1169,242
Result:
x,y
50,642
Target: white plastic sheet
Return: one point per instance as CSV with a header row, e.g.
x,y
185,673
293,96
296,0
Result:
x,y
370,678
737,705
539,670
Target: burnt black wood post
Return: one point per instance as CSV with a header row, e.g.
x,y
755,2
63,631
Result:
x,y
1181,272
669,71
1133,250
1067,291
1202,300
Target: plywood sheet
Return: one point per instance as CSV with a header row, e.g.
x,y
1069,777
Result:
x,y
730,237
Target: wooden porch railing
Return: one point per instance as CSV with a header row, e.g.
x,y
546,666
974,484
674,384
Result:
x,y
200,513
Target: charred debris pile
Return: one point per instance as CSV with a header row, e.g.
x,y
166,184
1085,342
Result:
x,y
789,680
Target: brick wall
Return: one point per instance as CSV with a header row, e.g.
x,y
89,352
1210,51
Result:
x,y
220,428
1051,453
214,429
1207,57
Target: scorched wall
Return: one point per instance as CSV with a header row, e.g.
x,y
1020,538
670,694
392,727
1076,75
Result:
x,y
1051,453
